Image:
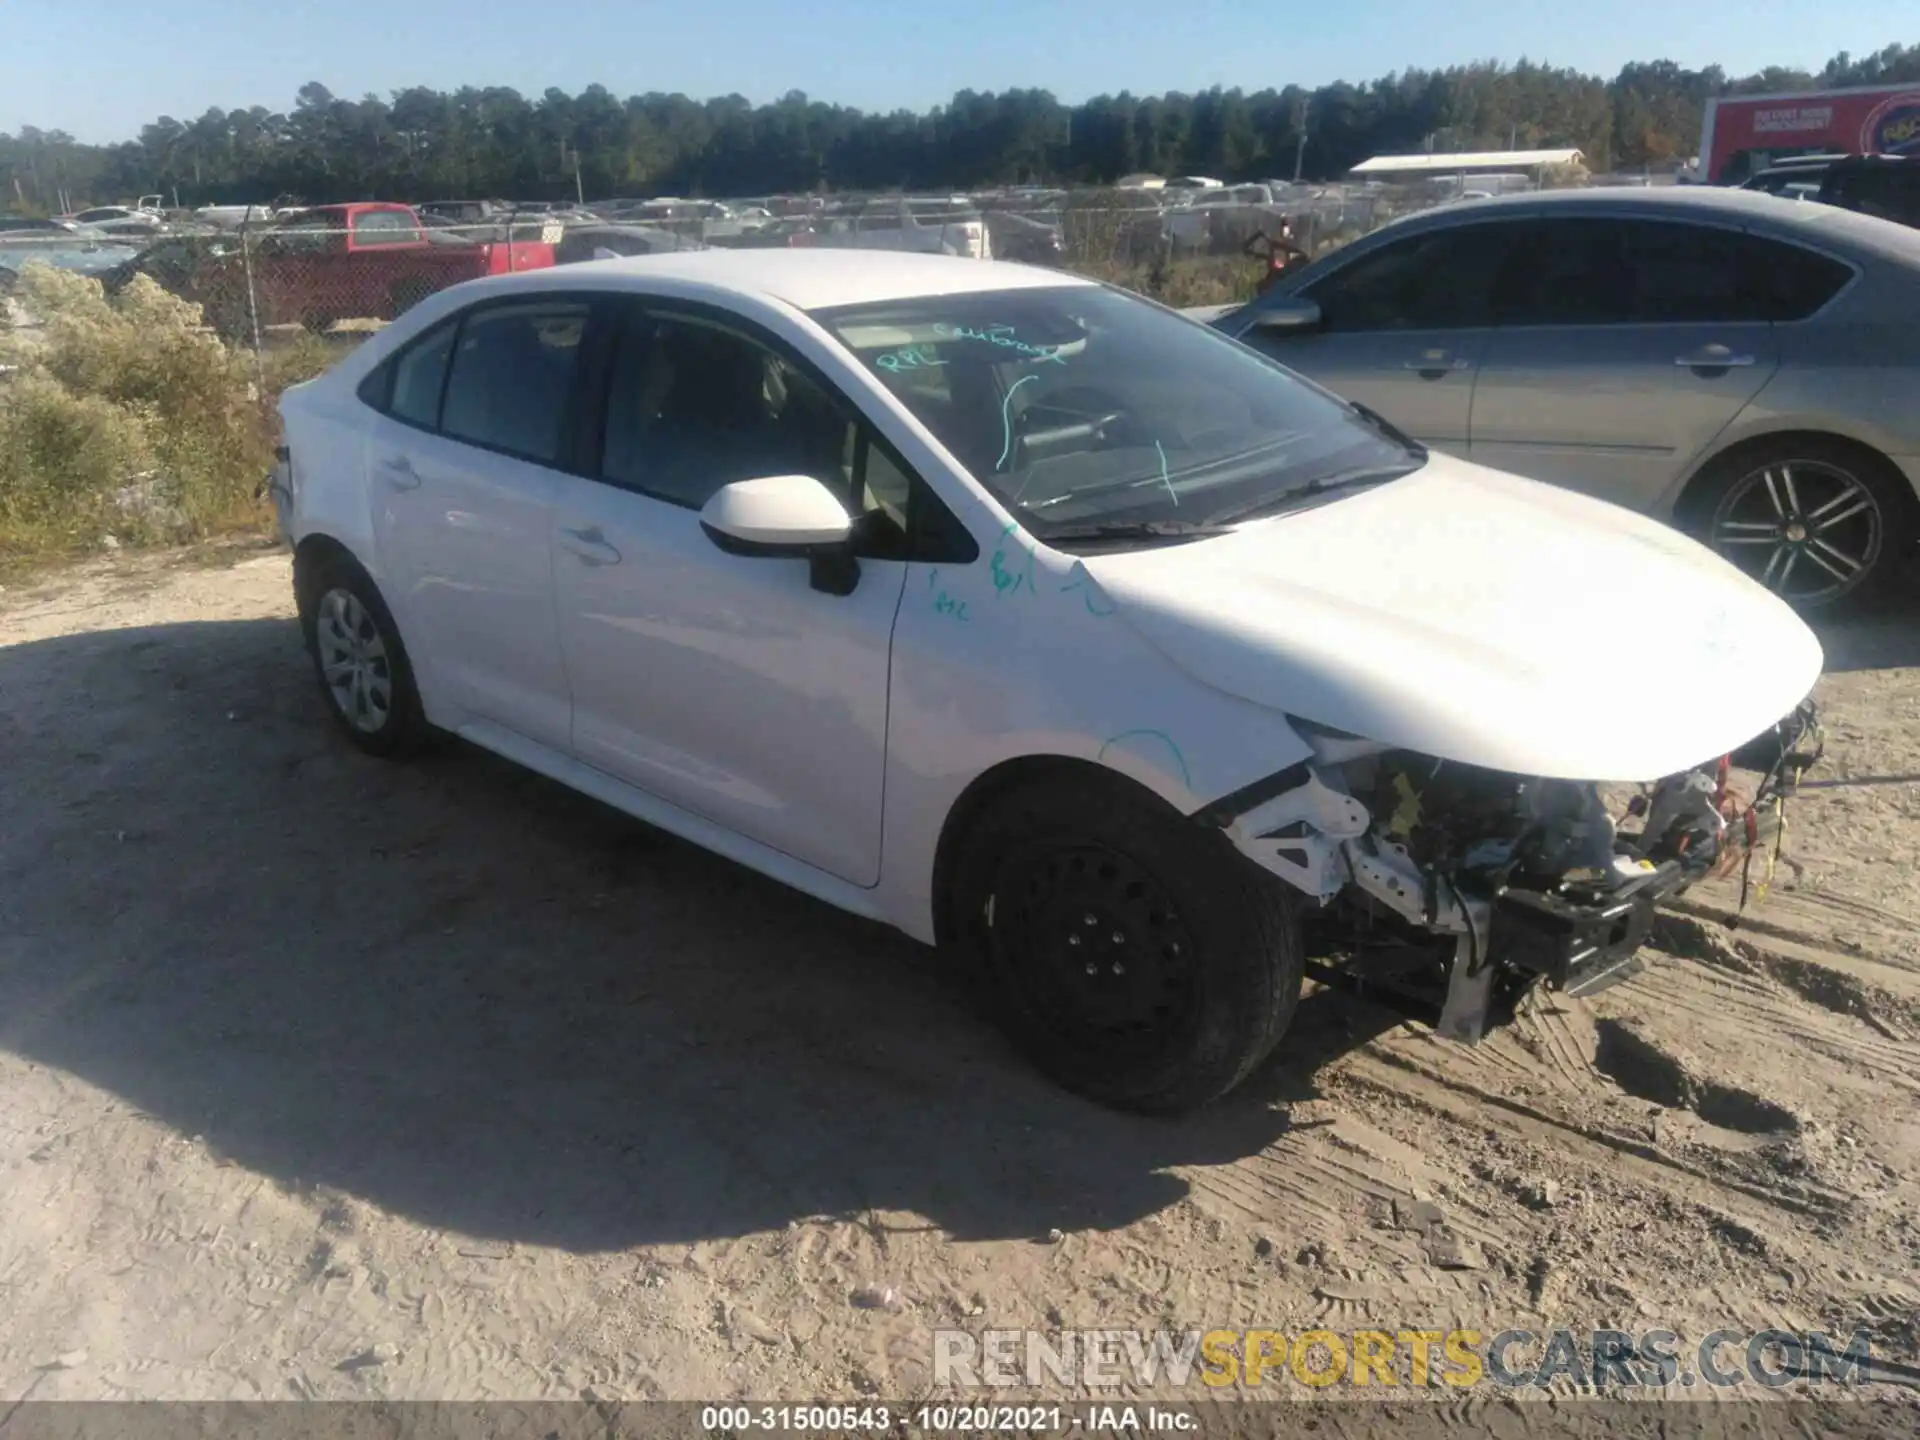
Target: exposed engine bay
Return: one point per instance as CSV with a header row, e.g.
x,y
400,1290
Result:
x,y
1451,890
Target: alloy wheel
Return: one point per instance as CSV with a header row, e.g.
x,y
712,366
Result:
x,y
353,661
1809,531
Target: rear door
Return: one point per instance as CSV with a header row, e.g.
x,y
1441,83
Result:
x,y
1403,328
464,465
1623,347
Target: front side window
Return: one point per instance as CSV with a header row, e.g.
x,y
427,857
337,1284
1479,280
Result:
x,y
693,406
1439,280
1081,405
512,370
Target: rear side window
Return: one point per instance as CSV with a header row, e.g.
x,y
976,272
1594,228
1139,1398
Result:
x,y
1606,271
512,371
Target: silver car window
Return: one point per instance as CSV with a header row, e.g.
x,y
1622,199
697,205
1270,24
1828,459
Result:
x,y
1435,280
1610,270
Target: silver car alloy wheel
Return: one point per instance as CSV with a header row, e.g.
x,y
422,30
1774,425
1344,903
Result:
x,y
1807,530
353,661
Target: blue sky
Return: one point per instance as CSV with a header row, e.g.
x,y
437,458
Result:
x,y
102,68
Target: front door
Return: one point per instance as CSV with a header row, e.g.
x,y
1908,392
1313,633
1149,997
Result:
x,y
1624,348
465,488
725,684
1403,329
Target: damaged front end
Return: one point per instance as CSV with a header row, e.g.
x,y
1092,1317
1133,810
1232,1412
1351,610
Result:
x,y
1450,890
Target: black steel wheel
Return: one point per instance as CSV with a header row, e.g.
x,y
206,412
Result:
x,y
1099,951
1132,954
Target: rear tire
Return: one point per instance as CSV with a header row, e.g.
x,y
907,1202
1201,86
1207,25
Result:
x,y
1135,957
1822,523
365,677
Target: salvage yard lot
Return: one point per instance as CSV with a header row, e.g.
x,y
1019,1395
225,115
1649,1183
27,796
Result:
x,y
329,1078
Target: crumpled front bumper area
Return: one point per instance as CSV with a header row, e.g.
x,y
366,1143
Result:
x,y
1451,891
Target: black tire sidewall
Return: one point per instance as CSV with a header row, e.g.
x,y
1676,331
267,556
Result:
x,y
405,728
1242,922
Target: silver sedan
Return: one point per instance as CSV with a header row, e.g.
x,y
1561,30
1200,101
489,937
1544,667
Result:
x,y
1745,366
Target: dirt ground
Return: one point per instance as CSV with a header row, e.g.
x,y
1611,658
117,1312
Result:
x,y
322,1077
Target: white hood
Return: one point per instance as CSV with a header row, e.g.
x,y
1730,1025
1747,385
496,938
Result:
x,y
1475,616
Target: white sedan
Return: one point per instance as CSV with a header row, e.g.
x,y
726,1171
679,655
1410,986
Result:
x,y
1037,621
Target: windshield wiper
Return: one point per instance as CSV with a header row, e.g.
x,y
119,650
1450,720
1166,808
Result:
x,y
1326,485
1387,428
1135,530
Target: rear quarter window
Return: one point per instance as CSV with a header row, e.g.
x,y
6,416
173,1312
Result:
x,y
1792,283
408,385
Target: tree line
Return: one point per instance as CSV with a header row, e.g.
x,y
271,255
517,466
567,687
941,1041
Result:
x,y
424,143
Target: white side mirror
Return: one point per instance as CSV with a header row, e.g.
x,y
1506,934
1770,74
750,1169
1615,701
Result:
x,y
792,515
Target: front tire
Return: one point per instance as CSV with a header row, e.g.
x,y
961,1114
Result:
x,y
1823,524
364,674
1135,957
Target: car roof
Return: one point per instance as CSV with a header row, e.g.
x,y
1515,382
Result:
x,y
807,279
1661,199
1807,221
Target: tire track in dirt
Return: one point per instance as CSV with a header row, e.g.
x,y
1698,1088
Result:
x,y
1561,1034
1765,1014
1584,1142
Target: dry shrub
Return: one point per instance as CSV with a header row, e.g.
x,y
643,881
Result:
x,y
63,459
1216,280
125,418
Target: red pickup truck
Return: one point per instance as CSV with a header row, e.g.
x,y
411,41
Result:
x,y
338,262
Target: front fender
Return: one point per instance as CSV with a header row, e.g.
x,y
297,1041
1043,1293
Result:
x,y
984,674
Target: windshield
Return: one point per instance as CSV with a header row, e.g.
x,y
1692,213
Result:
x,y
1080,406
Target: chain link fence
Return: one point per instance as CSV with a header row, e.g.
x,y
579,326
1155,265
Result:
x,y
340,269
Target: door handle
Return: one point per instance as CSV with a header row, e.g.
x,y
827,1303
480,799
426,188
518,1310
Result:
x,y
1714,357
589,546
400,472
1434,366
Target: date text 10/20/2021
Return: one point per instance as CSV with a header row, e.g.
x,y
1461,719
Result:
x,y
1096,1418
